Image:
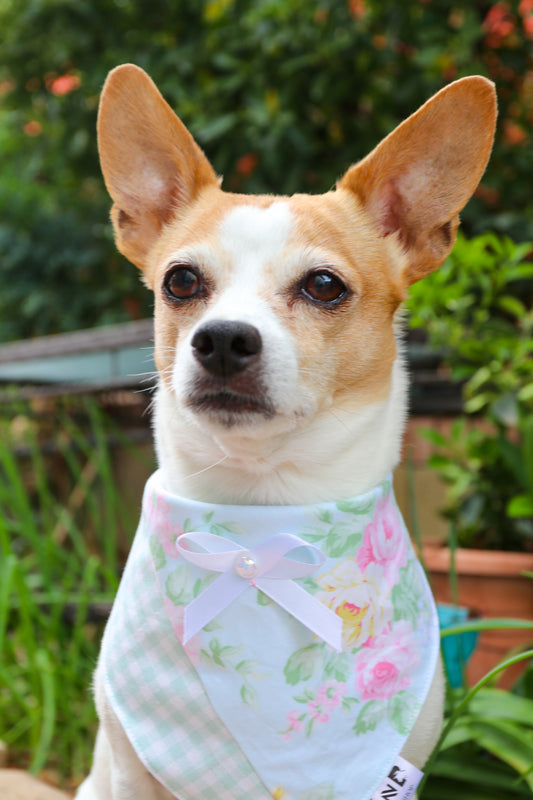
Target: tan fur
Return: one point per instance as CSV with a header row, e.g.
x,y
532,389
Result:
x,y
391,220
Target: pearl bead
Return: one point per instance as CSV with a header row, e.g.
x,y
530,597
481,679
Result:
x,y
246,565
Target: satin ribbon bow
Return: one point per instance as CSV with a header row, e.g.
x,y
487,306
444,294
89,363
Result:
x,y
266,568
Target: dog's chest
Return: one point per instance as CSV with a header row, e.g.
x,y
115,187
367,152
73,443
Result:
x,y
256,703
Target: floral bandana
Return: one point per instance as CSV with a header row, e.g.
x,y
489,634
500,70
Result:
x,y
256,703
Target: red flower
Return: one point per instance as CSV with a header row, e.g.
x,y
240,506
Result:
x,y
498,24
247,163
64,84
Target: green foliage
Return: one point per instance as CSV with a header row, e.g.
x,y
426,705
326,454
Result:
x,y
486,748
478,311
282,94
55,561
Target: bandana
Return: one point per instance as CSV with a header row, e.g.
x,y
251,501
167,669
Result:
x,y
270,651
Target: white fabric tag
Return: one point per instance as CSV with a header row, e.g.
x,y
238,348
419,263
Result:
x,y
400,783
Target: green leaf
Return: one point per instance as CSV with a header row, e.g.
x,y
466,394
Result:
x,y
512,305
208,516
406,593
370,716
249,695
223,528
303,664
520,506
340,540
309,584
526,393
506,741
306,697
358,509
158,554
179,586
349,703
250,671
499,704
402,711
339,667
263,599
324,515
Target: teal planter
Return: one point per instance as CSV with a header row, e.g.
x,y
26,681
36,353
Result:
x,y
457,649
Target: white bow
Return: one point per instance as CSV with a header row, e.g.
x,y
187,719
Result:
x,y
266,568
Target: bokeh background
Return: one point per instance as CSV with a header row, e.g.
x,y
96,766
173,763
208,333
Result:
x,y
282,94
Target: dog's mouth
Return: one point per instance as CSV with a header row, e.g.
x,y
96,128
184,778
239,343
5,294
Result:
x,y
230,407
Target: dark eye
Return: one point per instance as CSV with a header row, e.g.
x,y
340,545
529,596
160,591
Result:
x,y
182,283
323,287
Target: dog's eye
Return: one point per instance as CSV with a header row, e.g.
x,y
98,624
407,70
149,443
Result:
x,y
182,283
323,287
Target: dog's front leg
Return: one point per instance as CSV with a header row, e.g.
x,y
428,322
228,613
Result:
x,y
117,773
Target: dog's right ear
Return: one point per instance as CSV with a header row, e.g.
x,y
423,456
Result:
x,y
151,164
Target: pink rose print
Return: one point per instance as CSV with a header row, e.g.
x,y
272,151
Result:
x,y
318,708
330,694
194,645
295,725
159,515
385,665
316,712
384,541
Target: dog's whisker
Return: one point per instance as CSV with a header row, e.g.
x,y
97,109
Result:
x,y
206,469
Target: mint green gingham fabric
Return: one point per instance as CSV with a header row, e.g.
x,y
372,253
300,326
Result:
x,y
161,702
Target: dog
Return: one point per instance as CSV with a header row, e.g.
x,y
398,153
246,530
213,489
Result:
x,y
278,419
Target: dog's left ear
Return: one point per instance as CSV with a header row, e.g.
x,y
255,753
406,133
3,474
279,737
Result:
x,y
417,180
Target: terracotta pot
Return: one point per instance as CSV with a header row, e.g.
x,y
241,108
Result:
x,y
490,584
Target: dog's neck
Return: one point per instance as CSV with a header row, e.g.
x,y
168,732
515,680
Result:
x,y
341,452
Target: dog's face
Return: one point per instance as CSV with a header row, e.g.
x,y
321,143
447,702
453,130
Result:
x,y
270,309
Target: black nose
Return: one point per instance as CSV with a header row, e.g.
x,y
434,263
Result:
x,y
226,347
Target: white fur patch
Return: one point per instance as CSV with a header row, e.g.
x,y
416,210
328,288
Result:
x,y
258,235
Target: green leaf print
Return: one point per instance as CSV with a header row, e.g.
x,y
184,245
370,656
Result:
x,y
324,515
339,667
207,517
402,711
222,653
188,526
263,599
249,695
309,584
303,664
385,488
349,703
158,554
306,697
179,586
250,671
314,535
370,716
223,528
406,594
341,540
358,509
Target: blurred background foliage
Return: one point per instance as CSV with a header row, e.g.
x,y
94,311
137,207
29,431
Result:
x,y
282,94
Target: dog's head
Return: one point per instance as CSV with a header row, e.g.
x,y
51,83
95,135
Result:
x,y
269,309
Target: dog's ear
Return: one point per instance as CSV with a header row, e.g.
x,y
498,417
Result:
x,y
417,180
151,164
